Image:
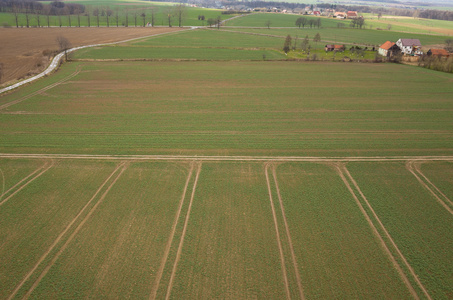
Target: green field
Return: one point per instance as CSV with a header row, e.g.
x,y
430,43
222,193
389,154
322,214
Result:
x,y
149,108
235,230
206,165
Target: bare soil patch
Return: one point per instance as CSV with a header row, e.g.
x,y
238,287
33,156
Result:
x,y
27,51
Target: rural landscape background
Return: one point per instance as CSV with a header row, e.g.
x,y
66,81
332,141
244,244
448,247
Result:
x,y
186,153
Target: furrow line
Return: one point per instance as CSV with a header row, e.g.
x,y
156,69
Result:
x,y
413,170
288,235
279,241
44,169
123,167
344,171
20,182
170,240
181,242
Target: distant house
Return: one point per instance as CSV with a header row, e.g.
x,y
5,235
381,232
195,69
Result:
x,y
388,49
339,15
438,53
334,48
410,46
352,15
316,13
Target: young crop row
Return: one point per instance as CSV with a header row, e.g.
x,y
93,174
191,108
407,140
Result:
x,y
229,230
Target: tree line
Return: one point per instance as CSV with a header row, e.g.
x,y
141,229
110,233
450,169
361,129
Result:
x,y
58,13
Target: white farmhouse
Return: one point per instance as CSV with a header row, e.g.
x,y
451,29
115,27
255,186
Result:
x,y
410,46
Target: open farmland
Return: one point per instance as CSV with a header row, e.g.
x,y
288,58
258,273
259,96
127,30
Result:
x,y
214,227
178,167
150,108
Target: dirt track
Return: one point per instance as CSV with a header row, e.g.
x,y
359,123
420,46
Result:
x,y
21,49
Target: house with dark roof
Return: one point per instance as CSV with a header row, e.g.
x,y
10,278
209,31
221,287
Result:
x,y
410,46
388,49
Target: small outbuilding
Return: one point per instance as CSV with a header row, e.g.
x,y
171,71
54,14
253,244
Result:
x,y
438,53
334,48
388,49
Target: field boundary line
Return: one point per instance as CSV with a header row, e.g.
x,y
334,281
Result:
x,y
17,184
46,88
290,240
123,167
231,158
277,232
156,284
414,169
43,170
181,242
343,170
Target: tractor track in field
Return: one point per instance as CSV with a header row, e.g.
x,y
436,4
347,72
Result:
x,y
343,173
123,167
46,88
44,168
414,168
163,262
183,234
288,235
277,232
207,158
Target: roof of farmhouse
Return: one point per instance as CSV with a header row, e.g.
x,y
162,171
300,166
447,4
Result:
x,y
410,42
387,45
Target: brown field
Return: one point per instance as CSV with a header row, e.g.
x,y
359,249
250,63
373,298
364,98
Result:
x,y
20,60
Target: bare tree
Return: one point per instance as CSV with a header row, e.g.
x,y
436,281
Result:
x,y
169,13
16,15
180,12
64,45
268,24
108,13
117,16
152,16
143,15
317,39
126,23
77,11
87,14
96,14
47,11
27,16
135,18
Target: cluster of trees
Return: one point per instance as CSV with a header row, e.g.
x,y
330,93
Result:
x,y
304,45
357,23
302,21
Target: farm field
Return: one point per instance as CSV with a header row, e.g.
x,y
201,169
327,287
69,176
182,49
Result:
x,y
202,164
149,108
19,59
229,229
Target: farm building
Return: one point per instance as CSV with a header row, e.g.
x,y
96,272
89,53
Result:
x,y
334,48
352,15
410,46
339,15
438,53
316,13
388,49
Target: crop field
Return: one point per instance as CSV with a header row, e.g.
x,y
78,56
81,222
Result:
x,y
143,228
149,108
201,164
